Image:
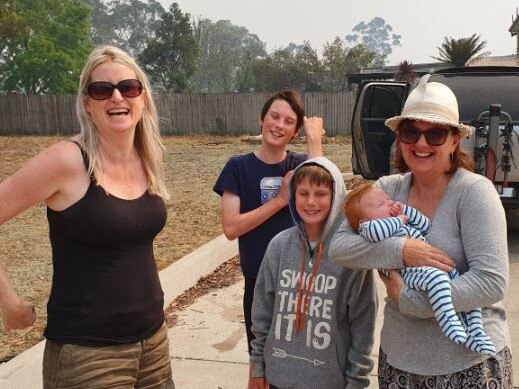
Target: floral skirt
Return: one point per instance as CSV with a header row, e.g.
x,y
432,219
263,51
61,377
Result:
x,y
493,373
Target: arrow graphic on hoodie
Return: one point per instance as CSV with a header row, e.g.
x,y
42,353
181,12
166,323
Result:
x,y
279,353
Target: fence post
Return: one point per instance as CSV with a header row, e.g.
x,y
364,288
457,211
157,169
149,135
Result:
x,y
56,113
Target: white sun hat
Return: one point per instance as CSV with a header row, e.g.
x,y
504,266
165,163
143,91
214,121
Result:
x,y
432,102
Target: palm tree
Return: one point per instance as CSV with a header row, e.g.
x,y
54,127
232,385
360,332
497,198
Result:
x,y
405,72
461,52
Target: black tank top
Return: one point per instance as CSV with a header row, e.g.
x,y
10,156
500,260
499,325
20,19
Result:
x,y
105,286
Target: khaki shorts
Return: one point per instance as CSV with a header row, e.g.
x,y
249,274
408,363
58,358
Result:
x,y
144,364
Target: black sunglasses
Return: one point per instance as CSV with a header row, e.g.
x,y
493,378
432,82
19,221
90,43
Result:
x,y
102,90
434,137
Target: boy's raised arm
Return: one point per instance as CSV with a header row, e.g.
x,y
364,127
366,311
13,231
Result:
x,y
314,131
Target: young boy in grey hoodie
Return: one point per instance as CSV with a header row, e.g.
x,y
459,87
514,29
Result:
x,y
313,320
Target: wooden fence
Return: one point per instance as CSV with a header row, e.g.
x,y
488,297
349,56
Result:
x,y
180,114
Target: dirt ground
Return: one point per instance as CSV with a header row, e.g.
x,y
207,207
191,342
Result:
x,y
192,166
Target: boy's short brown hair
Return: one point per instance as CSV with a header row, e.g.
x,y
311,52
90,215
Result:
x,y
316,174
352,209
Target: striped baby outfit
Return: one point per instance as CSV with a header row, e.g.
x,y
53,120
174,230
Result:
x,y
465,328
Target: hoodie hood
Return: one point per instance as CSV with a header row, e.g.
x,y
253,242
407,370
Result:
x,y
339,193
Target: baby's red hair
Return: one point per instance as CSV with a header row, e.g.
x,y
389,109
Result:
x,y
351,206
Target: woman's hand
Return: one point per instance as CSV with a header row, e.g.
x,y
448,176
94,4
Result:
x,y
17,314
417,253
394,284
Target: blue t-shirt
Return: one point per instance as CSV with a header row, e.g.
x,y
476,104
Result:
x,y
242,175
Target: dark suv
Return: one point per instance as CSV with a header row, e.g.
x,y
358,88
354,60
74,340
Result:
x,y
488,99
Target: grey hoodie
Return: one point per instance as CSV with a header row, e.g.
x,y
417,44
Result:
x,y
332,349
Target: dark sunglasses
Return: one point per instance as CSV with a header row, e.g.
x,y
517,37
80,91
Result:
x,y
102,90
434,137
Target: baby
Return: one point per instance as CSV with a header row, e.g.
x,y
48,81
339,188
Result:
x,y
375,216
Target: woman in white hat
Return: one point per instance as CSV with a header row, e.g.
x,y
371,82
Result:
x,y
468,232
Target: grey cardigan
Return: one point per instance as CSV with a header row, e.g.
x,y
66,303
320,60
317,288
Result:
x,y
470,226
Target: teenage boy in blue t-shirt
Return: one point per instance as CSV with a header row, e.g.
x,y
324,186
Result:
x,y
254,186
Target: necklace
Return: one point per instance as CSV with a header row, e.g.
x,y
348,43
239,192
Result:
x,y
303,297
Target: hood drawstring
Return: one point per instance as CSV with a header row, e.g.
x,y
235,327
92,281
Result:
x,y
304,297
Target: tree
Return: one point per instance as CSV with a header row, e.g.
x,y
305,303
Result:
x,y
294,49
376,36
339,60
270,73
296,67
334,55
50,56
170,58
461,52
12,32
226,51
253,49
101,30
406,72
128,24
11,25
307,69
359,57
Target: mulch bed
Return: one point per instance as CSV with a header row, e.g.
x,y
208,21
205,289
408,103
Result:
x,y
227,274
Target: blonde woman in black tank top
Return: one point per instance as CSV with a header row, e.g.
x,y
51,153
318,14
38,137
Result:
x,y
105,192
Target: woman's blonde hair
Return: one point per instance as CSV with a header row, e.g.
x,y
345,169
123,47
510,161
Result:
x,y
147,134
